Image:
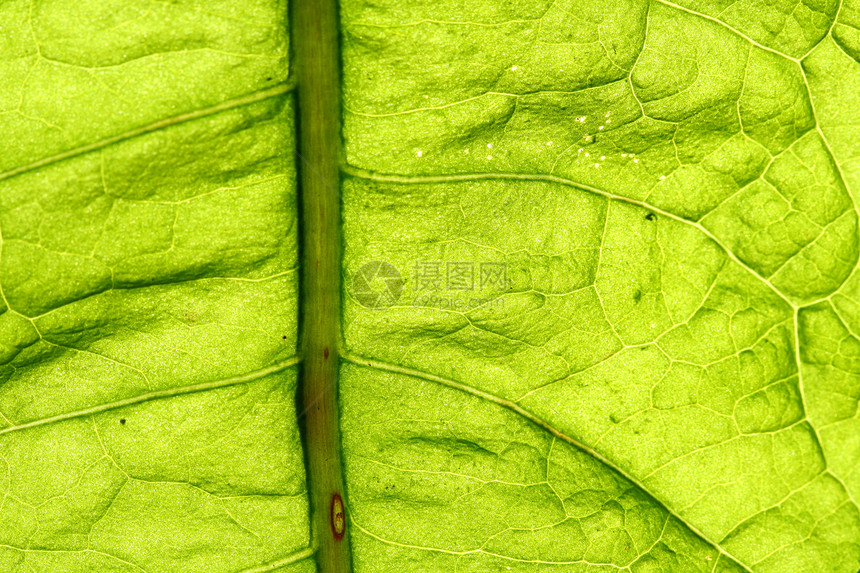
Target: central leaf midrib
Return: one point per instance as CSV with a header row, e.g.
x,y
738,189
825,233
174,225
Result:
x,y
316,49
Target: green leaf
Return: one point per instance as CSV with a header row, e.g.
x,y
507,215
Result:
x,y
149,288
669,382
600,291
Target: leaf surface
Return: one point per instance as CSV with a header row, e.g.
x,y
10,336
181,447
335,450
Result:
x,y
149,287
668,381
600,297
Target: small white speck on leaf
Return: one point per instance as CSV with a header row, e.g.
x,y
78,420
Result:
x,y
489,145
419,153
